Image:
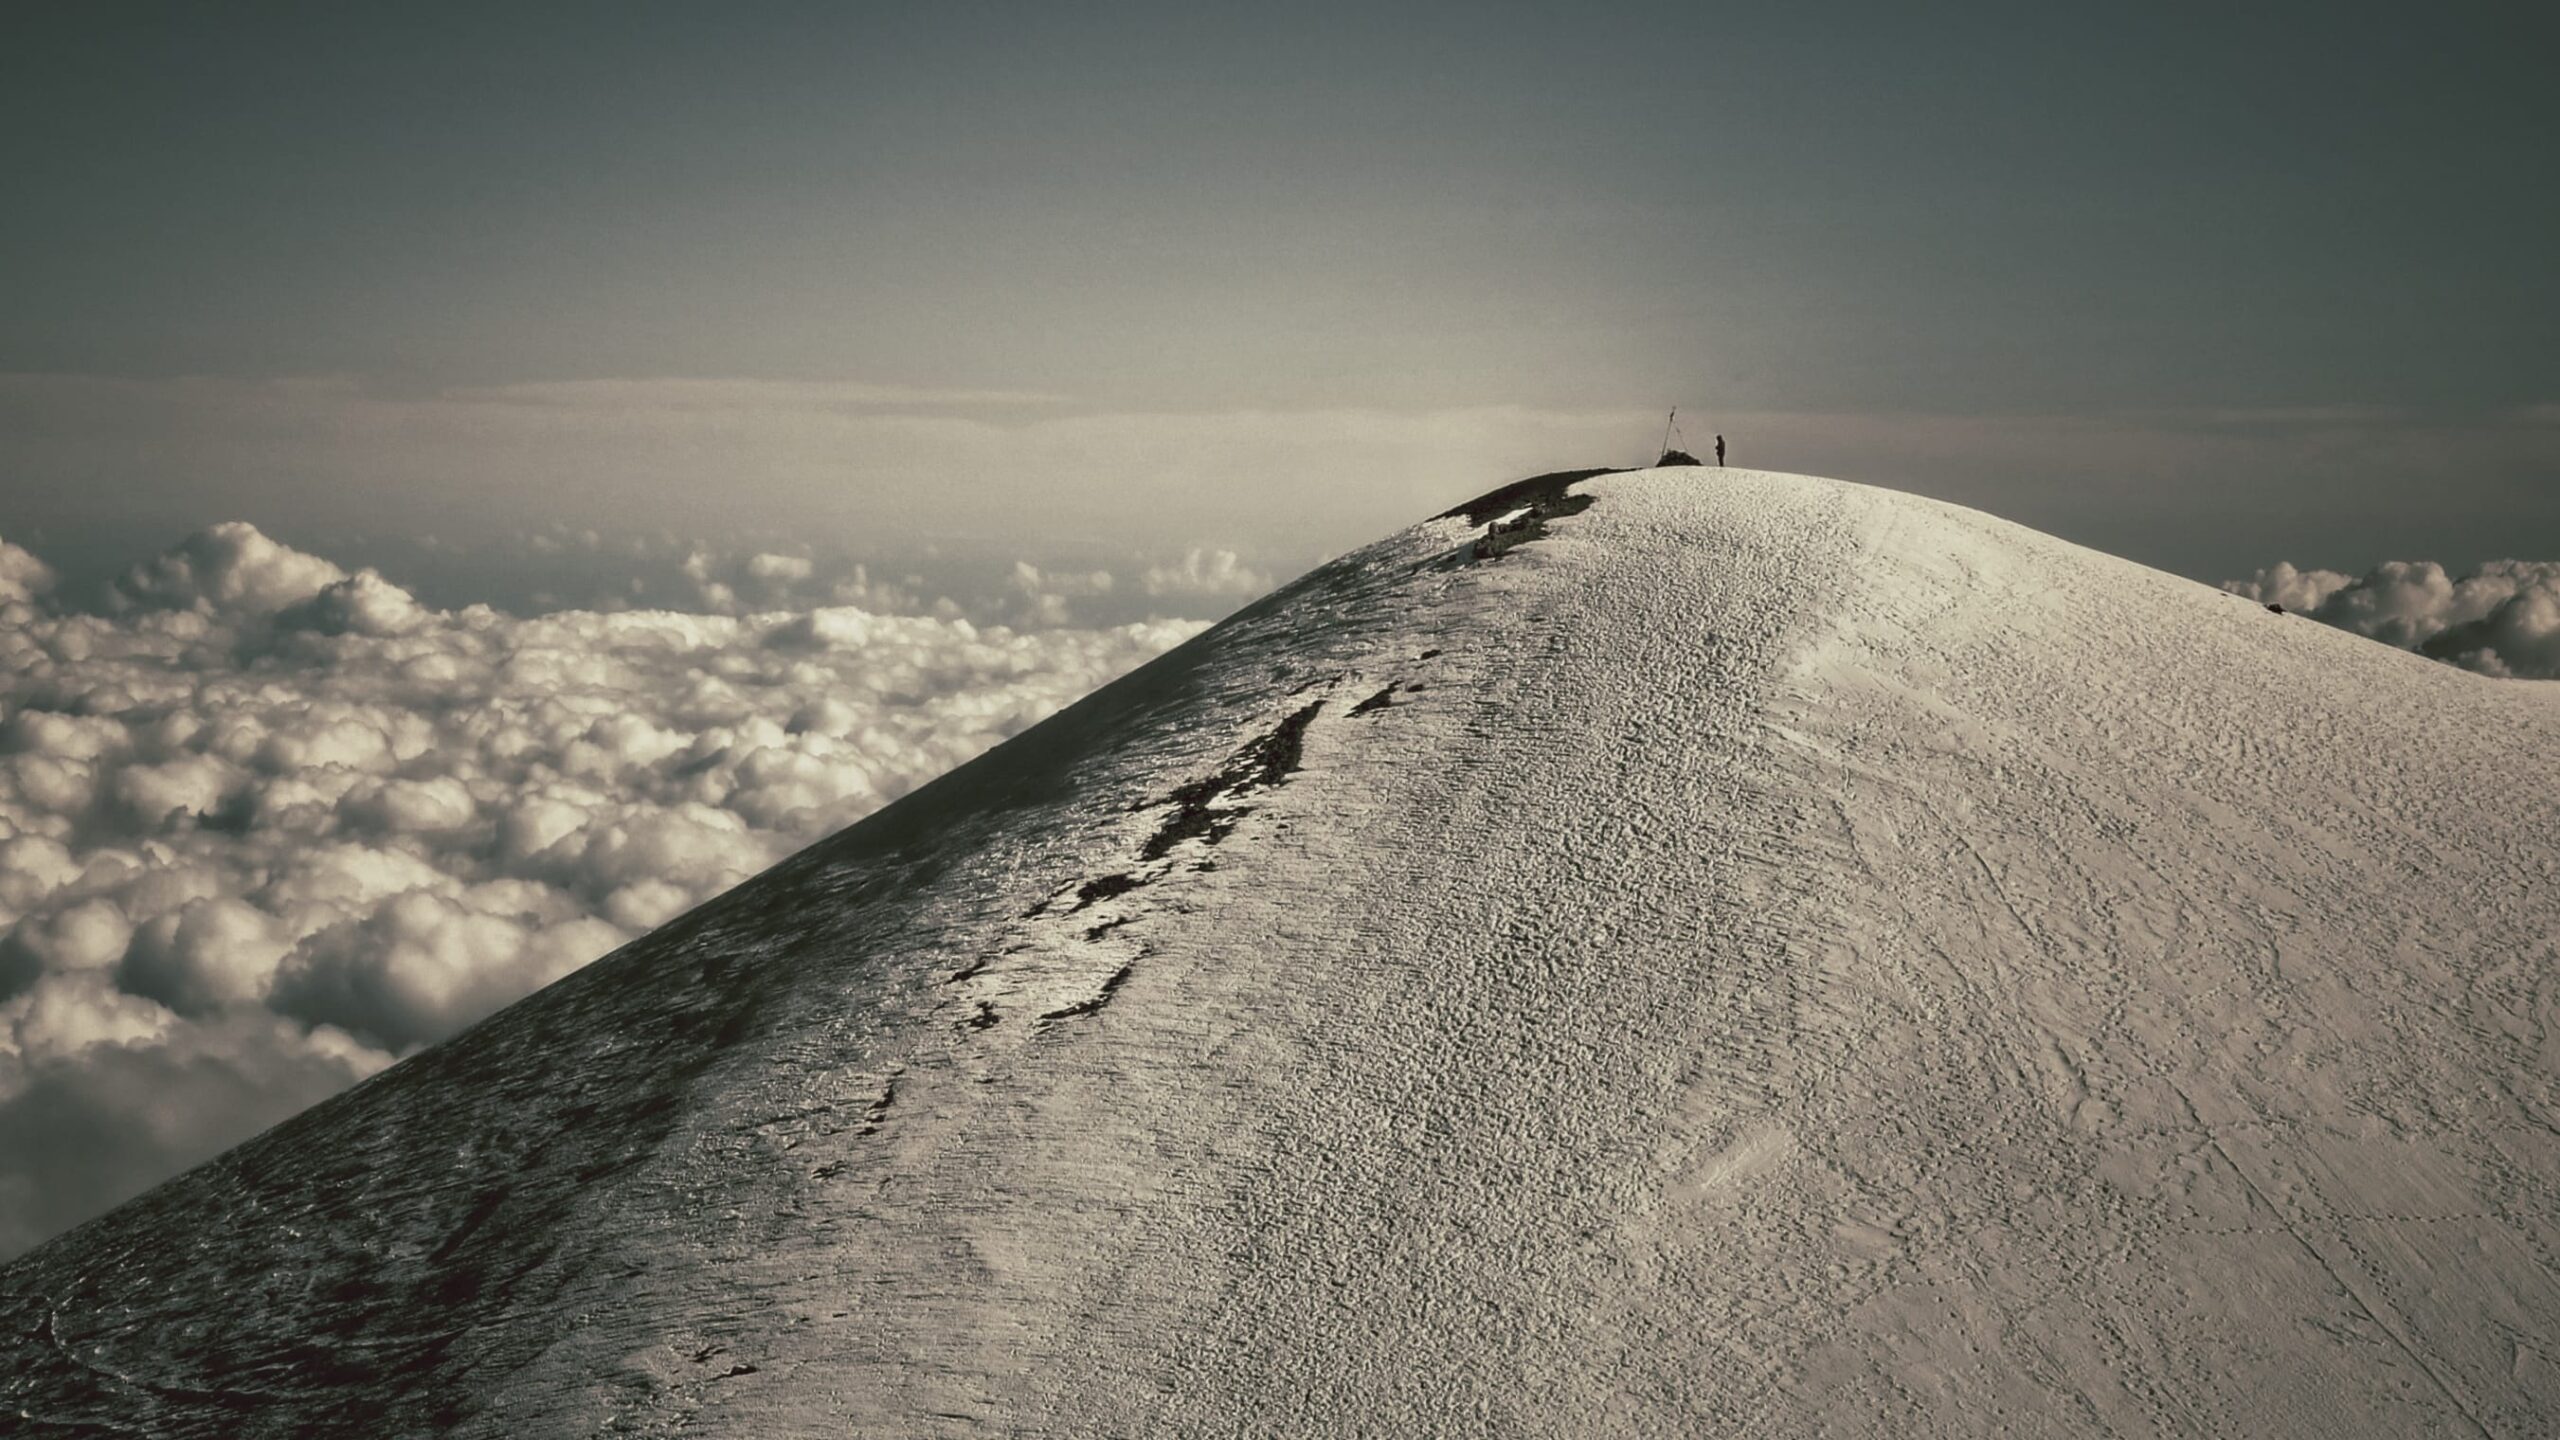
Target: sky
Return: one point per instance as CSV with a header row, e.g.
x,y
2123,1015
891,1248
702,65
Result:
x,y
2205,288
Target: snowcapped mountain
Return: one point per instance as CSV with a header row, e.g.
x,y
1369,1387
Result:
x,y
1731,953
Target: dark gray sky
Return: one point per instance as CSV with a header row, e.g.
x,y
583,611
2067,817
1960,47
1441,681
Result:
x,y
2209,285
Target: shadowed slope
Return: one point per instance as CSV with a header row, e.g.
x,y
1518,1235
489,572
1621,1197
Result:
x,y
1763,955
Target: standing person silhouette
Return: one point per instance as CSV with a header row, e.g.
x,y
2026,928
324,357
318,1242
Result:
x,y
1719,450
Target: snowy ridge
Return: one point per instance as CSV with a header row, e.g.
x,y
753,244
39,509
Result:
x,y
1752,954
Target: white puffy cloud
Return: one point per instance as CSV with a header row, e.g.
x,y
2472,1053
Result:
x,y
1046,598
88,935
272,823
780,569
2520,637
187,787
424,964
1207,572
230,569
64,1015
2298,590
768,581
362,604
2501,619
23,578
32,867
210,952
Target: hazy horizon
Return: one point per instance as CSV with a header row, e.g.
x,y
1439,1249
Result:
x,y
2207,296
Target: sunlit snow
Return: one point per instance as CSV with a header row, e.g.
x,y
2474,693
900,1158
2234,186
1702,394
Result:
x,y
1756,955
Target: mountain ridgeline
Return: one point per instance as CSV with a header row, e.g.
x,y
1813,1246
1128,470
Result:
x,y
1729,953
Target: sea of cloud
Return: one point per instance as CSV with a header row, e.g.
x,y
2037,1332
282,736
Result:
x,y
267,825
2500,619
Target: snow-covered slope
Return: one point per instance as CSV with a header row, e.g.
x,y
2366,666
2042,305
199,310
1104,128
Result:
x,y
1762,955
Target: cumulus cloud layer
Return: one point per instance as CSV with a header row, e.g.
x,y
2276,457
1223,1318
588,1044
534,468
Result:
x,y
2501,619
1207,572
266,825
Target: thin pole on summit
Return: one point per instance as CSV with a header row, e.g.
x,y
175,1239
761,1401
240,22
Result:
x,y
1669,425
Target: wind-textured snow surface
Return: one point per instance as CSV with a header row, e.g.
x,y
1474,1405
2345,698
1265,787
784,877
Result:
x,y
1749,955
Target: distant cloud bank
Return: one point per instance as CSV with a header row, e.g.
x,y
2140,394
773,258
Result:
x,y
267,824
1207,572
2501,619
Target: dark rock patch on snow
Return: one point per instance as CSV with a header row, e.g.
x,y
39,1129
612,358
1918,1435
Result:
x,y
878,1114
1093,892
1547,493
1265,762
1101,997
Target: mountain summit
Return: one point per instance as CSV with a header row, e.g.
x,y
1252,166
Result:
x,y
1675,952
